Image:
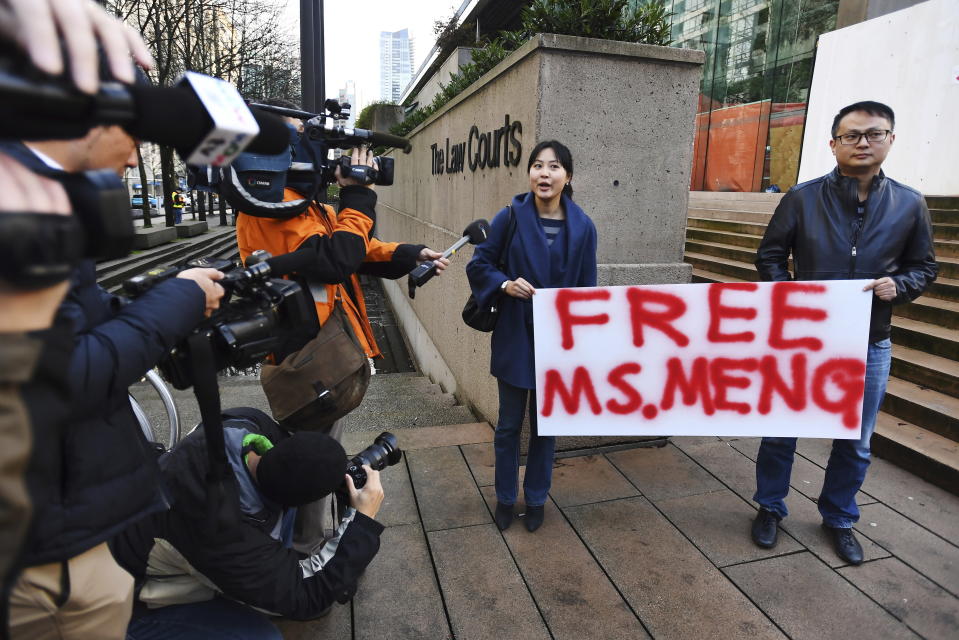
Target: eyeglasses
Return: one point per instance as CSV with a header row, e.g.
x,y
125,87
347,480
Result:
x,y
871,136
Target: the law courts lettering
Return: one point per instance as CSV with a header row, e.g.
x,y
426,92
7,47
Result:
x,y
499,147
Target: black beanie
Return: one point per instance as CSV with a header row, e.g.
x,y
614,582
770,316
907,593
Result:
x,y
301,469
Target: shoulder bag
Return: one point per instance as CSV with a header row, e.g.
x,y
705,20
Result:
x,y
484,318
321,382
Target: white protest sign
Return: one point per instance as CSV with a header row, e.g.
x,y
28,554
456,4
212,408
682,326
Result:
x,y
234,127
730,359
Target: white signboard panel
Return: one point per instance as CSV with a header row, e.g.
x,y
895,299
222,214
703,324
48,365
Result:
x,y
732,359
909,60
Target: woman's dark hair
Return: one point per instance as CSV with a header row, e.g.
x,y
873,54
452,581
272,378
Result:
x,y
562,154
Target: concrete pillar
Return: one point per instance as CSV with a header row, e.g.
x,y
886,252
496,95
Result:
x,y
385,116
627,113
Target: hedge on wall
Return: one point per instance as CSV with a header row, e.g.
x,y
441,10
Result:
x,y
647,23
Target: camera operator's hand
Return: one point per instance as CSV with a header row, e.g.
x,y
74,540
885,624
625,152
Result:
x,y
368,499
519,288
436,257
37,25
206,279
360,155
26,192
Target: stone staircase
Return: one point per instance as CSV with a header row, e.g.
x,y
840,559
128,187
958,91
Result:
x,y
918,427
219,242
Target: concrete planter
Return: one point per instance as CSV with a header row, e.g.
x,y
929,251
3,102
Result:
x,y
191,229
153,237
385,116
625,110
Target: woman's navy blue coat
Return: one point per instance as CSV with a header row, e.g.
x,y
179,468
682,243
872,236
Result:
x,y
569,262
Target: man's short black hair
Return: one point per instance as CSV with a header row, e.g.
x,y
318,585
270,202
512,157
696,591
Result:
x,y
877,109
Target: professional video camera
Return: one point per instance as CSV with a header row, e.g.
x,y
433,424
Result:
x,y
254,184
202,117
258,315
384,452
38,250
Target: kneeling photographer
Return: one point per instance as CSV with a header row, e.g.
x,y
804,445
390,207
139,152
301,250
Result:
x,y
191,577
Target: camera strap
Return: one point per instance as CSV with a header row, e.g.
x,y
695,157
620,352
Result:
x,y
223,514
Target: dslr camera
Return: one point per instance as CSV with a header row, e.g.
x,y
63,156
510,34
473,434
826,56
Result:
x,y
384,452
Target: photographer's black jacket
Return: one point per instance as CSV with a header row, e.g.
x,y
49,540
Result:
x,y
176,560
98,475
817,222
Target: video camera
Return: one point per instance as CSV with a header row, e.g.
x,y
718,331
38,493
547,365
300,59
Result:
x,y
254,184
199,116
258,315
39,250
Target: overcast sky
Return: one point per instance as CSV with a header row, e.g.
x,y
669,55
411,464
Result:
x,y
352,32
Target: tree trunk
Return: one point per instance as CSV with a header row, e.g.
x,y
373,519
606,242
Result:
x,y
169,183
199,201
223,221
144,189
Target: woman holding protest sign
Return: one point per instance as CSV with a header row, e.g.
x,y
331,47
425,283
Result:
x,y
542,239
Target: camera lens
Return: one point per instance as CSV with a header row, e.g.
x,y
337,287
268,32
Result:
x,y
384,452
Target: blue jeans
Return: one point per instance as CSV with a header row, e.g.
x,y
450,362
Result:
x,y
216,619
847,464
539,456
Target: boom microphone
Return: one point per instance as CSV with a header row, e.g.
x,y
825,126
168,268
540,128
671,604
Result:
x,y
475,233
40,108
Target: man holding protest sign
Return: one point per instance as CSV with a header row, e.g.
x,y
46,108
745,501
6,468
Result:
x,y
849,224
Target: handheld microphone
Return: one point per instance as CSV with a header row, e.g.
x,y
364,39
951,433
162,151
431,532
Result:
x,y
41,108
475,233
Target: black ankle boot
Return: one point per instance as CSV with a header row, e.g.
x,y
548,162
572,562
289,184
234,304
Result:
x,y
503,516
534,517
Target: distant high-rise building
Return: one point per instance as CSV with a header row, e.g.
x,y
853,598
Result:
x,y
396,63
348,94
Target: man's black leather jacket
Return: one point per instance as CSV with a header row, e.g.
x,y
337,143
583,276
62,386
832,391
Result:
x,y
818,223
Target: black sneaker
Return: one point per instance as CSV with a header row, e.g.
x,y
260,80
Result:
x,y
845,543
534,517
765,529
503,516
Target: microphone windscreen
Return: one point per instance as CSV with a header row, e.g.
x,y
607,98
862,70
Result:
x,y
274,136
171,116
477,231
174,116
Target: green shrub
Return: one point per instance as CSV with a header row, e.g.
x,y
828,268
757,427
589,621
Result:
x,y
606,19
647,23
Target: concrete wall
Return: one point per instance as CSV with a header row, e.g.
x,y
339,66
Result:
x,y
626,111
909,60
460,56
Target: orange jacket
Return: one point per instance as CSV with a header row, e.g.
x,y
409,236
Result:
x,y
334,248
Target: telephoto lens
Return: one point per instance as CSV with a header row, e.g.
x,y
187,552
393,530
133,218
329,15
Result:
x,y
384,452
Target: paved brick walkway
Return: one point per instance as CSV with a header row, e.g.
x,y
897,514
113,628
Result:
x,y
645,543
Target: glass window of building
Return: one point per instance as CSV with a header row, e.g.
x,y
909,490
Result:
x,y
755,86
